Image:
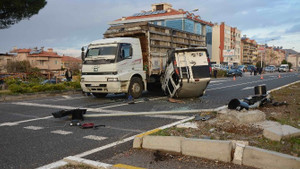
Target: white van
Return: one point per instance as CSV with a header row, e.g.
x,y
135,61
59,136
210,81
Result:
x,y
283,68
187,73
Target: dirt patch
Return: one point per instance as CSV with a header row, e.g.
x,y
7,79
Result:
x,y
286,114
157,160
214,128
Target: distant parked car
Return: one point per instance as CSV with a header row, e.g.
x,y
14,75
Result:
x,y
234,72
250,67
270,68
242,68
283,68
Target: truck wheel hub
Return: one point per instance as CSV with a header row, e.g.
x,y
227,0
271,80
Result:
x,y
136,87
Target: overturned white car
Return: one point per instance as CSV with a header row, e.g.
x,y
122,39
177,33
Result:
x,y
187,72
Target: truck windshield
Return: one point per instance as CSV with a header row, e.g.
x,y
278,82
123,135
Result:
x,y
103,52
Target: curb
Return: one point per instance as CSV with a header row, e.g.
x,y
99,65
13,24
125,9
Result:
x,y
226,151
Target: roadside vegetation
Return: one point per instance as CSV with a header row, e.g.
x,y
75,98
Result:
x,y
217,129
23,78
17,86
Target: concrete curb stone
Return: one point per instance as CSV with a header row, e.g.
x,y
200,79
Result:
x,y
210,149
266,159
170,143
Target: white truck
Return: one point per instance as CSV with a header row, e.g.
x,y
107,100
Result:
x,y
133,57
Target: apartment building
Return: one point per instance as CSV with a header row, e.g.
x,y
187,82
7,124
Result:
x,y
249,51
226,44
46,61
163,14
4,59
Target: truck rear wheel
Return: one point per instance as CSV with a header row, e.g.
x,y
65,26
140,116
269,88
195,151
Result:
x,y
99,95
136,87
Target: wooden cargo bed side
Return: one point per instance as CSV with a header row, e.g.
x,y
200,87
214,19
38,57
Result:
x,y
156,41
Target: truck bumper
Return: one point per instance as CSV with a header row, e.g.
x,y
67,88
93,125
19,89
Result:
x,y
105,87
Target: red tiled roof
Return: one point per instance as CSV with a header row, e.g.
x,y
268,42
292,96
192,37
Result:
x,y
21,51
45,54
172,12
169,13
70,59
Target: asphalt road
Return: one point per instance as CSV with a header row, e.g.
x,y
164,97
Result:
x,y
31,137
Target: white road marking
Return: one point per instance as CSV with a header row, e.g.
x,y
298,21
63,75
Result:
x,y
99,110
93,137
62,132
34,128
127,139
240,84
217,81
167,116
215,84
23,121
54,165
247,88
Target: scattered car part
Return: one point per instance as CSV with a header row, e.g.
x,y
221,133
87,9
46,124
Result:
x,y
91,125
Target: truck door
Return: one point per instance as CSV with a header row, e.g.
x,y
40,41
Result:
x,y
125,58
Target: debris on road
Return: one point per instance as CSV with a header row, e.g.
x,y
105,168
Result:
x,y
77,114
175,100
91,125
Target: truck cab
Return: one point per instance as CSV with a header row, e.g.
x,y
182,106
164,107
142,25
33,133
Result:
x,y
113,65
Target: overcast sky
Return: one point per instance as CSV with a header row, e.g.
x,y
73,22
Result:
x,y
67,25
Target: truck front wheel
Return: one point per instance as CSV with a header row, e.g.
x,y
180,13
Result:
x,y
135,87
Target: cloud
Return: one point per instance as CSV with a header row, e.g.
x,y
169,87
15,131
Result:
x,y
294,29
69,52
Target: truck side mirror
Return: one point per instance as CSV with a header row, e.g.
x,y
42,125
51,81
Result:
x,y
82,54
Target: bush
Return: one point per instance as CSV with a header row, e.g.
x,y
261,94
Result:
x,y
17,86
221,73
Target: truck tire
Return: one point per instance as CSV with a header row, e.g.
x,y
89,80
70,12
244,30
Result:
x,y
136,87
99,95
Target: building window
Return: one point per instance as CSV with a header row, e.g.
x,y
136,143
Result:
x,y
159,7
55,62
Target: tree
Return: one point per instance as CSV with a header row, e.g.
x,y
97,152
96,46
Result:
x,y
13,11
284,62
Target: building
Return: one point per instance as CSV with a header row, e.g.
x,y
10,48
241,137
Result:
x,y
293,57
4,59
71,62
249,51
46,61
226,45
164,15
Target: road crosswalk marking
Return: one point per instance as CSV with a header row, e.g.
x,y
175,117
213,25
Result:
x,y
62,132
93,137
33,127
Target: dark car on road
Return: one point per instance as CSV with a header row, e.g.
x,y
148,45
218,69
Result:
x,y
234,72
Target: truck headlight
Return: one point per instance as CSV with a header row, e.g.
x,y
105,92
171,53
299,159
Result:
x,y
112,79
82,79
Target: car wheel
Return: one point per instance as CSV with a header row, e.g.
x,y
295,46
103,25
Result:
x,y
136,87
